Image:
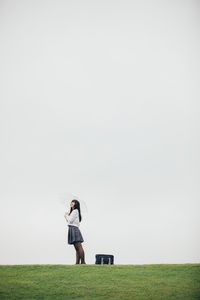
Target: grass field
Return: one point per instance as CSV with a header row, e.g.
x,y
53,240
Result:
x,y
162,281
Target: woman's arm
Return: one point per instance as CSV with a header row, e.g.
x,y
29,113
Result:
x,y
70,218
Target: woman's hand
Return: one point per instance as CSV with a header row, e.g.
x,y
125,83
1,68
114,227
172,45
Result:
x,y
66,214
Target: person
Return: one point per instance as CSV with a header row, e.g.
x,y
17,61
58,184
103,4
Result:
x,y
75,237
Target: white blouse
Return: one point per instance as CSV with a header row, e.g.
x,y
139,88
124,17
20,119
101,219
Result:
x,y
73,218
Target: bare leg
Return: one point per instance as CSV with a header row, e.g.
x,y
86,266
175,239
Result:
x,y
77,253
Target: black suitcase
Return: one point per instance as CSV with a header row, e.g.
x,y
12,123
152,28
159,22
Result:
x,y
104,259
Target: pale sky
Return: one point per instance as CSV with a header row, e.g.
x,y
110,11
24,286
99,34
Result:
x,y
100,99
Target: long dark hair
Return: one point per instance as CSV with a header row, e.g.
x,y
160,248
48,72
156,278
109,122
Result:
x,y
77,205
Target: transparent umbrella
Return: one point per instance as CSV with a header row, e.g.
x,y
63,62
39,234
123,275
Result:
x,y
65,199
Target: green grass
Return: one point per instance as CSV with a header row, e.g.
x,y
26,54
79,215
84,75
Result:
x,y
161,281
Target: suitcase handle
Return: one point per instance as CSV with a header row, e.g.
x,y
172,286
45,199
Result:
x,y
102,262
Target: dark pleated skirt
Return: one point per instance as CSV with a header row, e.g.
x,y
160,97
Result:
x,y
74,235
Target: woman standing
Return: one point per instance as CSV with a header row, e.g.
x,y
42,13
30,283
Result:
x,y
75,237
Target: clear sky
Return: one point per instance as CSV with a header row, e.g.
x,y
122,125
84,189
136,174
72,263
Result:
x,y
100,99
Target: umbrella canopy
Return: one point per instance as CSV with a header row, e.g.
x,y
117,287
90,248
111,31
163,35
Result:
x,y
65,199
